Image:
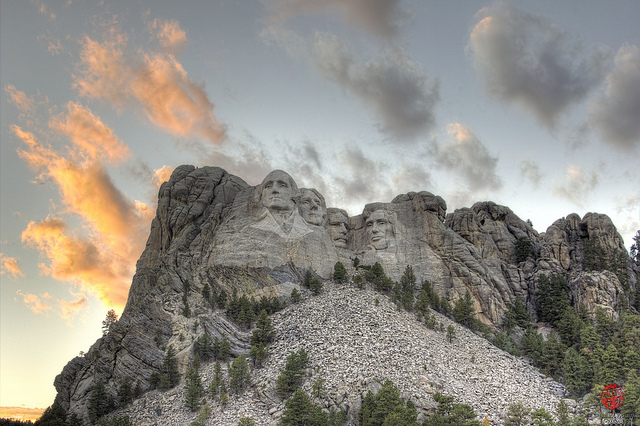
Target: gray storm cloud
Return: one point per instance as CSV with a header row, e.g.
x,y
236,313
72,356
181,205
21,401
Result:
x,y
396,88
616,113
528,60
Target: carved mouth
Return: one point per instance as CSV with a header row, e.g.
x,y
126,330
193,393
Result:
x,y
376,238
344,240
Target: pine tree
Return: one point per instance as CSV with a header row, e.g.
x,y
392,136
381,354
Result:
x,y
206,292
295,295
573,370
517,315
194,389
239,374
54,415
553,298
125,393
517,415
110,319
264,332
98,401
631,407
464,312
610,365
451,333
339,273
258,354
216,381
203,347
225,349
300,411
552,355
291,377
169,376
541,417
221,299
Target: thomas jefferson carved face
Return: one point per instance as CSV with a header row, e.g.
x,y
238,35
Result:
x,y
312,207
337,227
379,229
278,191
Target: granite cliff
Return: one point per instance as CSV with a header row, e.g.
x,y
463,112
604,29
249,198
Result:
x,y
213,228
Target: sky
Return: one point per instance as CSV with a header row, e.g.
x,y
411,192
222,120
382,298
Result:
x,y
531,104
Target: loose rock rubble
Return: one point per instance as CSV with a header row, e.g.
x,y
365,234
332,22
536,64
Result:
x,y
354,344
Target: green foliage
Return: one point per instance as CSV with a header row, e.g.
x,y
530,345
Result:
x,y
125,392
186,310
464,312
54,415
99,401
299,410
115,421
605,326
631,406
517,415
295,295
110,319
575,371
258,354
239,374
553,298
203,347
206,292
524,249
552,356
169,374
387,408
318,389
451,333
610,365
221,299
506,343
193,389
203,416
595,256
246,421
264,332
517,315
356,262
375,275
216,381
569,327
225,349
291,377
339,273
542,417
450,414
312,283
358,281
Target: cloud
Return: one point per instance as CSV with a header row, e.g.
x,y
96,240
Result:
x,y
576,186
531,171
396,88
84,262
103,260
616,113
90,135
37,304
383,18
21,413
294,45
153,81
10,265
169,34
528,60
162,175
23,102
467,157
69,309
411,177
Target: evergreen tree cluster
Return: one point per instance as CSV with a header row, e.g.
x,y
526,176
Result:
x,y
597,259
244,310
206,349
313,283
387,408
291,377
450,413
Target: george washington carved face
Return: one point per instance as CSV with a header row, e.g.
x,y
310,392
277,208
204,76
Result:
x,y
278,191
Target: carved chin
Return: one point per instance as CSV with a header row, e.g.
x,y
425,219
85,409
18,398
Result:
x,y
314,219
340,243
379,244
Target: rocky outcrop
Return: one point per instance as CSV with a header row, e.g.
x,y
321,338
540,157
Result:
x,y
212,228
355,344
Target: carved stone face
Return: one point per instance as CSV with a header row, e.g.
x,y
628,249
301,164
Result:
x,y
338,227
312,208
278,190
379,229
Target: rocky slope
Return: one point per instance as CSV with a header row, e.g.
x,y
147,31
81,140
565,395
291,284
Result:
x,y
212,228
354,344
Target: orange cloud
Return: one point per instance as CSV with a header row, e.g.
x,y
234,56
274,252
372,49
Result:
x,y
75,259
169,34
21,413
158,84
37,304
162,175
23,102
68,309
10,265
90,135
103,258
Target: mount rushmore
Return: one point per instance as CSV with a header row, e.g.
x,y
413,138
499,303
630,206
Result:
x,y
212,227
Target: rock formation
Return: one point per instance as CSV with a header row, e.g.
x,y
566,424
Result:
x,y
212,228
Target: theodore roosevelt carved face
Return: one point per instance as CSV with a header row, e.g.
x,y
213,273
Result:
x,y
380,230
278,191
312,207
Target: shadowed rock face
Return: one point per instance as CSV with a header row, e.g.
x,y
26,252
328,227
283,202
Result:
x,y
211,227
